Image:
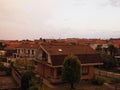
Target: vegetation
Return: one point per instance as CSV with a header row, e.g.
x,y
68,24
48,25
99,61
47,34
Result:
x,y
71,70
33,88
1,66
2,46
26,67
80,86
99,48
3,59
107,79
24,64
8,70
98,80
26,78
112,50
109,61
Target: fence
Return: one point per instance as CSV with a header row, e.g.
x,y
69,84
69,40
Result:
x,y
107,74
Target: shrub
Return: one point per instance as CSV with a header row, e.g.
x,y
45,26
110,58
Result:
x,y
3,59
1,66
27,76
32,82
116,81
98,81
33,88
8,70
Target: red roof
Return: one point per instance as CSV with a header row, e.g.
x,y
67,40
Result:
x,y
59,52
68,49
116,42
84,59
12,46
28,45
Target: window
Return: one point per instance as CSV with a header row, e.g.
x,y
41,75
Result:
x,y
32,52
44,56
22,50
85,70
59,71
28,51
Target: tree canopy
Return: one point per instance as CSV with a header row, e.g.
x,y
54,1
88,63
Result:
x,y
71,70
112,49
26,77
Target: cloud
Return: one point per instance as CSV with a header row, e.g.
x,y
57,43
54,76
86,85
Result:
x,y
115,3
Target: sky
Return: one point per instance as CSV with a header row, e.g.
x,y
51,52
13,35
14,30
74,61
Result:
x,y
32,19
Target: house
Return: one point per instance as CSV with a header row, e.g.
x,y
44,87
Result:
x,y
50,58
2,53
11,49
26,50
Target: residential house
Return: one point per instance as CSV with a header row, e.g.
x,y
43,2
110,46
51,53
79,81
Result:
x,y
101,48
50,58
26,50
11,49
2,53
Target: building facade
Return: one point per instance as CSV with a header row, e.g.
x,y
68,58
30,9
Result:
x,y
26,50
50,58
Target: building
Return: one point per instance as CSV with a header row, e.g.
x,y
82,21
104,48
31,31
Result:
x,y
26,50
11,49
50,58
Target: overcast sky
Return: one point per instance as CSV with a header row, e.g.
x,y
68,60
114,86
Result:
x,y
32,19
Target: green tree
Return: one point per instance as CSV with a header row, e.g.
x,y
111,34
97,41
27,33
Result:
x,y
99,48
109,61
27,76
2,46
112,49
71,70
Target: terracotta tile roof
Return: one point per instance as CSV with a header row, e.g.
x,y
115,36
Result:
x,y
58,53
84,59
68,49
28,45
117,45
91,41
12,46
116,42
54,43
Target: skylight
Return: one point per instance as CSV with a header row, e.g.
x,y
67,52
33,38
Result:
x,y
59,50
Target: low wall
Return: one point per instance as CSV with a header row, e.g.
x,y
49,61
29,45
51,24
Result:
x,y
16,75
